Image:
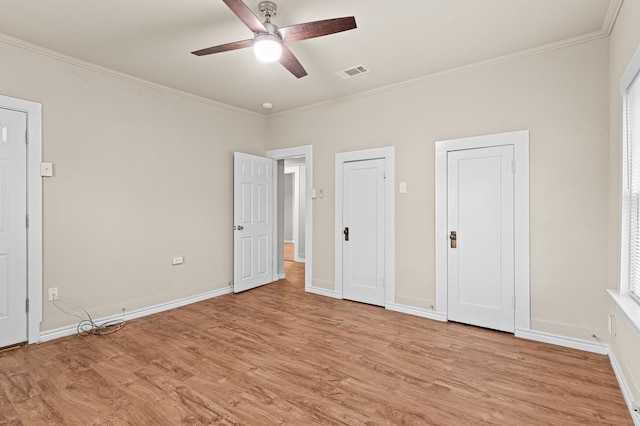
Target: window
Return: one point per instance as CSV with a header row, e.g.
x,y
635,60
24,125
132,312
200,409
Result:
x,y
630,86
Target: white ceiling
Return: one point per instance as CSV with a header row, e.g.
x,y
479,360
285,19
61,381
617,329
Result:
x,y
397,40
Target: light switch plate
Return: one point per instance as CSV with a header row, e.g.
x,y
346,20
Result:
x,y
46,169
403,187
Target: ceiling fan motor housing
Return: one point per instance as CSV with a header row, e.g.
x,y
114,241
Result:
x,y
271,29
268,10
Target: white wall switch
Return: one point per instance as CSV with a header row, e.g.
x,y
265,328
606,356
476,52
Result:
x,y
46,169
313,194
403,187
177,260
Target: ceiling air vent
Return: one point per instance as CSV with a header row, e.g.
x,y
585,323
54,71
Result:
x,y
352,72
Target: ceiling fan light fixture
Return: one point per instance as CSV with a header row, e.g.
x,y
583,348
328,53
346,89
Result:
x,y
267,48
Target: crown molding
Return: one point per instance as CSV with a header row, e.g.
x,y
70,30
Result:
x,y
454,71
39,50
612,16
607,26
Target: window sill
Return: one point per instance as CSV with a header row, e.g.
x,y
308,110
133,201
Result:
x,y
630,310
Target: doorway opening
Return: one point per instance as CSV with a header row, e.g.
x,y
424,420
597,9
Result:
x,y
294,209
293,238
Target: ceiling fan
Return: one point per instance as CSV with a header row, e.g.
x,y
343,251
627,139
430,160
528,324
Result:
x,y
270,42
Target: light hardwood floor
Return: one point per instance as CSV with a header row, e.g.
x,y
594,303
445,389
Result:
x,y
288,252
278,355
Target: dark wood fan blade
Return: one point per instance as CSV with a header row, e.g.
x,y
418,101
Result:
x,y
290,62
316,29
245,14
224,47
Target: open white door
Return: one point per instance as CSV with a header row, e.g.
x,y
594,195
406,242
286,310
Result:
x,y
253,221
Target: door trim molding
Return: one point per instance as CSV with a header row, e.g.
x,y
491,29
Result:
x,y
388,153
34,210
520,142
305,151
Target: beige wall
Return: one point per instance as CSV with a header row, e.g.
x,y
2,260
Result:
x,y
623,43
141,175
561,96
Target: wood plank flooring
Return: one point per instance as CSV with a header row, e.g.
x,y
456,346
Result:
x,y
288,252
278,355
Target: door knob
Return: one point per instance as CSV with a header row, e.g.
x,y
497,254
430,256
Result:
x,y
454,239
240,227
346,233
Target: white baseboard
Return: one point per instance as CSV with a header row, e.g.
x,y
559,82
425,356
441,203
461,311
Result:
x,y
323,292
419,312
69,330
280,276
568,342
626,392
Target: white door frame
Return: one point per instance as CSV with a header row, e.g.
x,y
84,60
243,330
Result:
x,y
305,151
520,142
34,210
388,153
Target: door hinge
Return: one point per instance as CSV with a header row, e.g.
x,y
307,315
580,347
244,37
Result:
x,y
513,167
26,136
513,301
384,176
27,305
27,221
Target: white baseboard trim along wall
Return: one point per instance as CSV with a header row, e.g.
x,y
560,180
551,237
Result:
x,y
69,330
568,342
419,312
323,292
624,387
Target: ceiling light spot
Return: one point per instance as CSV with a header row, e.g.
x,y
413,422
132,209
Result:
x,y
267,105
267,48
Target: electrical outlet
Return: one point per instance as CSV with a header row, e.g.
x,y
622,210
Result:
x,y
177,260
53,294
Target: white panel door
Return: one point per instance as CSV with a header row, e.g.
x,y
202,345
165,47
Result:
x,y
253,222
363,237
13,230
481,253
